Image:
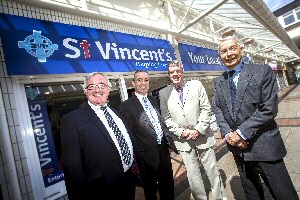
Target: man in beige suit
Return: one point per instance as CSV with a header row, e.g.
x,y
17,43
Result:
x,y
186,110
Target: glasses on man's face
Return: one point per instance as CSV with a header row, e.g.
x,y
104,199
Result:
x,y
101,86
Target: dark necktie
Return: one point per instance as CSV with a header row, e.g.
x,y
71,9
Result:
x,y
232,88
126,156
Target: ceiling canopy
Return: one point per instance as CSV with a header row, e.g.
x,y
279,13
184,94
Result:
x,y
250,18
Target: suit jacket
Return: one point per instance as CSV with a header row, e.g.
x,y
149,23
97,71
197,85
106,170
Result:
x,y
144,133
194,113
255,109
91,162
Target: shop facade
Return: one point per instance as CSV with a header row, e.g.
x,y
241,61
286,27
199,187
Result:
x,y
45,57
43,67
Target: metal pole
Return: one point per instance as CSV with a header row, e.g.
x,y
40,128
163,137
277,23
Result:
x,y
203,15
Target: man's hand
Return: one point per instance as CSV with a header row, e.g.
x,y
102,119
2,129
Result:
x,y
185,134
190,134
234,139
194,134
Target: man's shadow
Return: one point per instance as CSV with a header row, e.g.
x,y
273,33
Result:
x,y
238,191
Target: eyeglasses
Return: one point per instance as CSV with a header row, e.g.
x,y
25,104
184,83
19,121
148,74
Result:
x,y
101,86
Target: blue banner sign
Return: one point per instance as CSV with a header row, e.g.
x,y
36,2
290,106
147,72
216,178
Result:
x,y
200,59
34,46
50,168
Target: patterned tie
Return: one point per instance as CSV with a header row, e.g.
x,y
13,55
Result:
x,y
158,131
232,88
126,156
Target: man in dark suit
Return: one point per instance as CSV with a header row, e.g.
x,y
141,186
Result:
x,y
97,150
245,105
152,137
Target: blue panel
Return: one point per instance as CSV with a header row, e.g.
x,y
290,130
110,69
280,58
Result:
x,y
200,59
70,30
59,67
125,38
95,66
75,49
3,24
93,33
143,40
25,24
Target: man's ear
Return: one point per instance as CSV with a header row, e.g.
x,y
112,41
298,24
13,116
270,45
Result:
x,y
242,50
133,83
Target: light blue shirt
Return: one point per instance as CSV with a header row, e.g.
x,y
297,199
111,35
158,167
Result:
x,y
153,116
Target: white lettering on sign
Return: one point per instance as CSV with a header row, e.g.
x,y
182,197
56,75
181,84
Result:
x,y
110,50
41,138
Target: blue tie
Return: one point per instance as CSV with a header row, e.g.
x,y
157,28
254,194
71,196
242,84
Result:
x,y
153,121
232,88
126,156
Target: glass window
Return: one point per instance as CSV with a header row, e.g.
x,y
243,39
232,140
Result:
x,y
297,11
288,18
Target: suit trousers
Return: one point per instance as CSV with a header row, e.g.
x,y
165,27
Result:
x,y
273,173
192,161
160,179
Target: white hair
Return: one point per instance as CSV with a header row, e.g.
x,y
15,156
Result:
x,y
231,37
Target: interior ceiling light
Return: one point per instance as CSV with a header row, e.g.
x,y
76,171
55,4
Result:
x,y
268,50
228,32
248,41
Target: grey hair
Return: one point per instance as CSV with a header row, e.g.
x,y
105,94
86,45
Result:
x,y
176,63
92,74
231,37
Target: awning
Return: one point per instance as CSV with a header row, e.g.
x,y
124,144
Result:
x,y
249,18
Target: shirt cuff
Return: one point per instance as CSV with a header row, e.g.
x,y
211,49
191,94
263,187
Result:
x,y
241,135
225,137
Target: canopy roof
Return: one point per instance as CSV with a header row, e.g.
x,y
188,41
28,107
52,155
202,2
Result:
x,y
250,18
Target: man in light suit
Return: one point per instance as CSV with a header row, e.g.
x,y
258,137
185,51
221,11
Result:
x,y
96,165
152,136
186,110
245,105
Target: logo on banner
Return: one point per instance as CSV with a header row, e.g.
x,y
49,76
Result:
x,y
38,46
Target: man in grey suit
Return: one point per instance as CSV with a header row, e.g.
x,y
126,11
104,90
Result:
x,y
153,139
245,105
186,111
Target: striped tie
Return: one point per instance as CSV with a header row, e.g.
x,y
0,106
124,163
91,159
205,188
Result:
x,y
126,156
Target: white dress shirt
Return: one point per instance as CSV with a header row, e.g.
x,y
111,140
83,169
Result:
x,y
121,126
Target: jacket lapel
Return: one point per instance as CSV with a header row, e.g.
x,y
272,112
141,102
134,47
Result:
x,y
244,79
93,116
226,92
175,96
